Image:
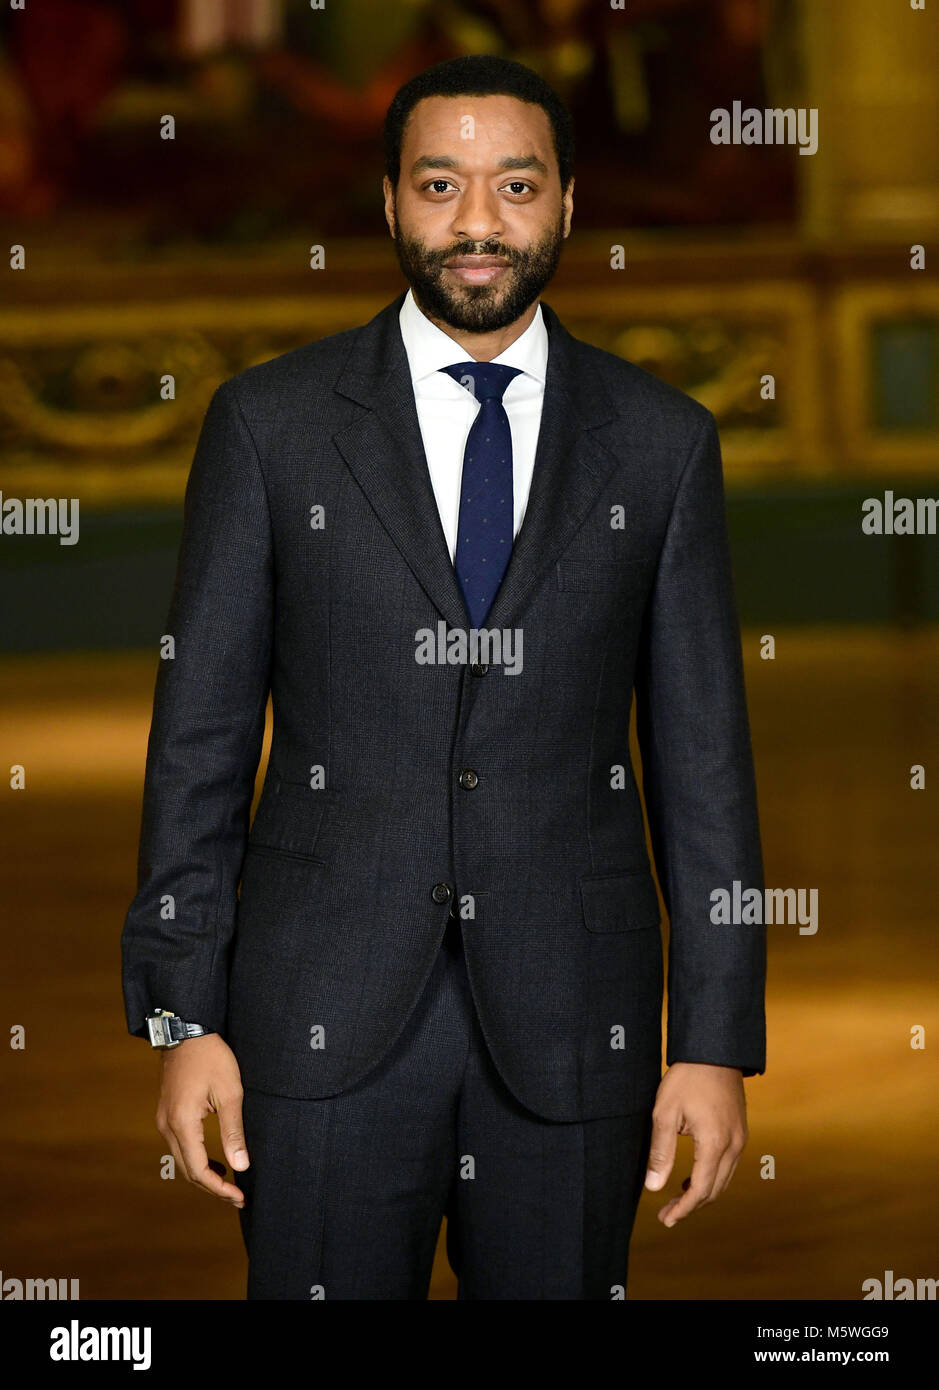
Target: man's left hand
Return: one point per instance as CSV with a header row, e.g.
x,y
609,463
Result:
x,y
708,1103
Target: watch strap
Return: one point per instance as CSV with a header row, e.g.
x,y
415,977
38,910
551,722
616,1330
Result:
x,y
169,1030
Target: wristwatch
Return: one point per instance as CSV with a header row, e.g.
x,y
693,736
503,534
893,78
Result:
x,y
168,1029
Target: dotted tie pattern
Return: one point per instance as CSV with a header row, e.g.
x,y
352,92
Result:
x,y
484,536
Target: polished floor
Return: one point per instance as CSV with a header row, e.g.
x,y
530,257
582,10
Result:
x,y
845,1117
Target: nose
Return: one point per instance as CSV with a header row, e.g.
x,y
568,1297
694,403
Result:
x,y
478,217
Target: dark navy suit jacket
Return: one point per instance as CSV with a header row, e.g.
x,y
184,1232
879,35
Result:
x,y
307,942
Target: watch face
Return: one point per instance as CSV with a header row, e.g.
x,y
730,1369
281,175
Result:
x,y
160,1034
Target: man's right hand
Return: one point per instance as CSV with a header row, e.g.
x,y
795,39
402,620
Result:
x,y
201,1077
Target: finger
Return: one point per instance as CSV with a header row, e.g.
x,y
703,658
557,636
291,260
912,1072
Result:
x,y
189,1134
663,1213
231,1129
178,1161
661,1149
707,1157
726,1170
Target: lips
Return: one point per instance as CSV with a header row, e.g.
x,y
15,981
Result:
x,y
475,262
477,270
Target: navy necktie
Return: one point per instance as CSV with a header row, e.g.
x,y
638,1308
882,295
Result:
x,y
487,511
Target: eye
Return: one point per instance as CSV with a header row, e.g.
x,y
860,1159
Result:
x,y
517,187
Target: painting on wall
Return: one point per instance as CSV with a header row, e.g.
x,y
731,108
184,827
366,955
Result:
x,y
277,105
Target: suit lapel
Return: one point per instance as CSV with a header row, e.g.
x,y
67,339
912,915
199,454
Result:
x,y
385,452
570,467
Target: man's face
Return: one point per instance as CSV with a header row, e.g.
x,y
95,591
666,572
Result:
x,y
478,216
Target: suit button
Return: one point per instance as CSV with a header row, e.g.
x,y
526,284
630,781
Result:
x,y
478,668
441,892
468,778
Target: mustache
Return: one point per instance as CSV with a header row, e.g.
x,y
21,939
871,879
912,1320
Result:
x,y
472,248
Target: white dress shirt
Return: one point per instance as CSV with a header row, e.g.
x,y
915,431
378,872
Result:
x,y
446,410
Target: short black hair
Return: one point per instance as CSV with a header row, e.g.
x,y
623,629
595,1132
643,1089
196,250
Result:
x,y
479,75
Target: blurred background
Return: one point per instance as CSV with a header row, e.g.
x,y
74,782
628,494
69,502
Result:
x,y
143,256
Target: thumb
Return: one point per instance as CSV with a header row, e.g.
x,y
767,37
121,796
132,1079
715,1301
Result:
x,y
232,1134
661,1151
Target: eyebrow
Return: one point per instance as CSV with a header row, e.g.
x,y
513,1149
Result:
x,y
447,161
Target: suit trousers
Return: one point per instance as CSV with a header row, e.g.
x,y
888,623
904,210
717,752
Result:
x,y
344,1197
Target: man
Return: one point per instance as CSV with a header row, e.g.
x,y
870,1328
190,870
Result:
x,y
450,543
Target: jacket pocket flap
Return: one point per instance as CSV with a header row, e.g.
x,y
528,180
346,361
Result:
x,y
620,902
289,817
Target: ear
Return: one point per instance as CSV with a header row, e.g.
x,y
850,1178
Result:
x,y
389,196
567,202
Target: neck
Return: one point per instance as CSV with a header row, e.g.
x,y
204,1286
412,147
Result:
x,y
483,347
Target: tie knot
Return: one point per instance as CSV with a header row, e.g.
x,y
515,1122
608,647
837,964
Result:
x,y
484,380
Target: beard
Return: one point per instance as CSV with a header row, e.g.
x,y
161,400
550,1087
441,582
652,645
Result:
x,y
480,308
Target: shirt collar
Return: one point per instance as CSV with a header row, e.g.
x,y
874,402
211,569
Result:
x,y
429,348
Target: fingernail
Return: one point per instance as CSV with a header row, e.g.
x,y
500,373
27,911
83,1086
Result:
x,y
240,1159
653,1179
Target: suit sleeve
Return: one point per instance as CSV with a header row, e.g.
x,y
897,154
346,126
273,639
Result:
x,y
698,777
206,734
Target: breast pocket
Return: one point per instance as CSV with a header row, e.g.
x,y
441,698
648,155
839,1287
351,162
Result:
x,y
629,577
